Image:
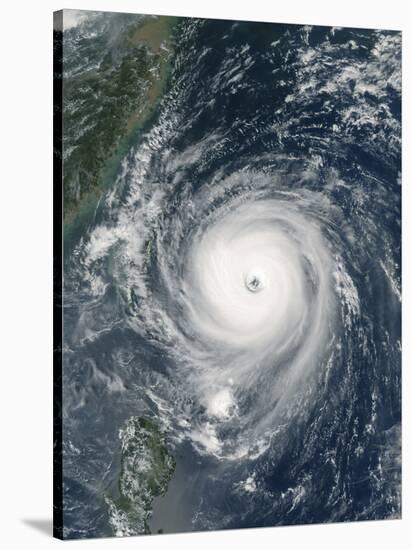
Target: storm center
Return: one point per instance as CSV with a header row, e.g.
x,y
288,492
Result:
x,y
254,282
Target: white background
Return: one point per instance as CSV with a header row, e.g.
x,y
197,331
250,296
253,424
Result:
x,y
26,272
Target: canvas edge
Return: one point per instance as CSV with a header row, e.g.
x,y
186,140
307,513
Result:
x,y
57,274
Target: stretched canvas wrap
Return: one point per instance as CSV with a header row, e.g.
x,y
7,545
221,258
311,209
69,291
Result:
x,y
227,274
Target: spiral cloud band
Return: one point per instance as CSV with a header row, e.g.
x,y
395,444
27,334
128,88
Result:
x,y
266,336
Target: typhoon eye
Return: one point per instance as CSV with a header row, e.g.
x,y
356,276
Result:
x,y
254,281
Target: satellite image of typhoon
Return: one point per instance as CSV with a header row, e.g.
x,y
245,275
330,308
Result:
x,y
232,274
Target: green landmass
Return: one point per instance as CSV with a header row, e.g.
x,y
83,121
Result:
x,y
146,469
107,103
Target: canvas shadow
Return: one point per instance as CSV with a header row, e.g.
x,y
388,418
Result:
x,y
44,526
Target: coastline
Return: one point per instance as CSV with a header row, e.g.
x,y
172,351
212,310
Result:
x,y
155,35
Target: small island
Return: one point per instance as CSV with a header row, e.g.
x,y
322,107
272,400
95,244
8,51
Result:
x,y
146,469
